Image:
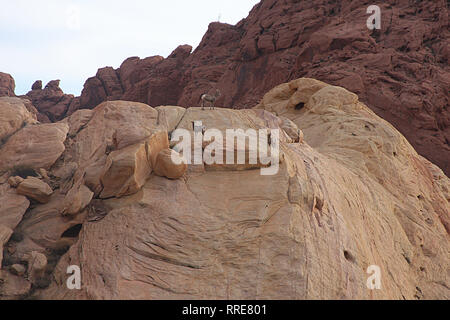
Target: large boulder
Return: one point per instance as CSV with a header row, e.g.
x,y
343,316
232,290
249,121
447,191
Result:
x,y
35,189
126,171
13,116
222,119
77,199
166,167
12,206
36,146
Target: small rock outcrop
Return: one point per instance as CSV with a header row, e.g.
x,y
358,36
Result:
x,y
35,189
14,116
51,102
7,85
125,171
15,181
166,167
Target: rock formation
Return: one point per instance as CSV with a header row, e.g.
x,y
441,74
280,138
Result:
x,y
14,115
165,167
51,102
350,192
35,189
407,61
7,85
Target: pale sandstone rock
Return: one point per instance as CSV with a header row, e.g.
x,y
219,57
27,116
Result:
x,y
170,116
35,189
132,122
43,173
12,207
78,120
37,146
165,167
37,262
112,126
93,173
301,136
18,269
126,171
223,119
77,199
15,181
31,109
291,129
14,116
45,227
157,142
356,195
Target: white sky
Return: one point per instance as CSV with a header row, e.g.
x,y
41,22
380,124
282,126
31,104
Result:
x,y
70,40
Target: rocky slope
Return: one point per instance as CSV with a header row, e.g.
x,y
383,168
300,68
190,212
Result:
x,y
93,190
401,71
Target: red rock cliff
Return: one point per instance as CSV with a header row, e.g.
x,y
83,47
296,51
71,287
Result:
x,y
400,71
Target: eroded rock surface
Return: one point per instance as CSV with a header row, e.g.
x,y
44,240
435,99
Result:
x,y
13,117
353,194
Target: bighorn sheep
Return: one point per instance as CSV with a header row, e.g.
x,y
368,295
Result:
x,y
211,99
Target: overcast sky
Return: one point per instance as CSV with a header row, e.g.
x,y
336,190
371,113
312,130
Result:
x,y
70,40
